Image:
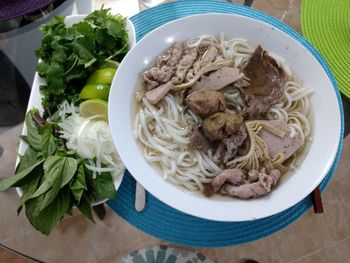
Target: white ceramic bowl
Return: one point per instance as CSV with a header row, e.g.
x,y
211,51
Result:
x,y
35,96
292,189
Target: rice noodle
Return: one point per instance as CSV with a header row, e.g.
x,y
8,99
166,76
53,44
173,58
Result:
x,y
164,129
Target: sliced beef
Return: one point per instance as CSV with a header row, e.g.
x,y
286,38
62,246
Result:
x,y
253,176
266,83
184,65
244,148
155,76
286,145
199,140
155,95
217,79
221,125
257,108
233,142
171,56
205,45
206,102
253,190
219,153
208,56
232,176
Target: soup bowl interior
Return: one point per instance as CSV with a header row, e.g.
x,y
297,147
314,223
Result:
x,y
292,188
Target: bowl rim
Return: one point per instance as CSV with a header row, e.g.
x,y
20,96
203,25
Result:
x,y
286,34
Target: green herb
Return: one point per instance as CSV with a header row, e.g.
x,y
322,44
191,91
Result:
x,y
69,54
54,179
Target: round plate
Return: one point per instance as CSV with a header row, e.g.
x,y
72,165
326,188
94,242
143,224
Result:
x,y
291,190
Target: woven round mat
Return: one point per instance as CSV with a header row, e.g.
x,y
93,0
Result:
x,y
171,225
326,24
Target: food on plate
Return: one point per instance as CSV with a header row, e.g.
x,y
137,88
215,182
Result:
x,y
220,116
69,55
94,107
70,159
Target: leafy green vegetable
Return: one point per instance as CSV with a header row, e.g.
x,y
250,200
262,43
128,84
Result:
x,y
78,184
53,178
102,185
48,143
28,191
18,177
45,220
69,54
28,159
85,208
33,136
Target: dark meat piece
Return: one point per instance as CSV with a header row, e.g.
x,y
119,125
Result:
x,y
254,190
171,56
199,141
266,83
221,125
219,153
233,142
155,95
244,148
257,108
286,145
184,65
232,176
217,79
155,76
206,102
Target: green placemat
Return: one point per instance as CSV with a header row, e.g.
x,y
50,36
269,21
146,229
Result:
x,y
326,24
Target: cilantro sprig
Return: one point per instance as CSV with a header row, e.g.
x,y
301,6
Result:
x,y
69,54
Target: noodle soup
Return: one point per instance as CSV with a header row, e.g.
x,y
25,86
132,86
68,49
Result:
x,y
222,117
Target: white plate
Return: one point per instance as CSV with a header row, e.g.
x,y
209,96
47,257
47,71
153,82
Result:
x,y
35,96
292,189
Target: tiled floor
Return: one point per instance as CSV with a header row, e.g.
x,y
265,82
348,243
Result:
x,y
313,238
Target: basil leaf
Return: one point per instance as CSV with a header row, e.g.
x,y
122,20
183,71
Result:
x,y
58,172
18,178
78,184
85,208
29,158
48,143
103,186
45,220
33,137
43,188
28,191
55,166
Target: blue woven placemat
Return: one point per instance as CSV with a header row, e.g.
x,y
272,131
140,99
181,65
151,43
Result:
x,y
166,223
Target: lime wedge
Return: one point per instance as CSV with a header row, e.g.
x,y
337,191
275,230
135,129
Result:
x,y
102,76
94,107
95,91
